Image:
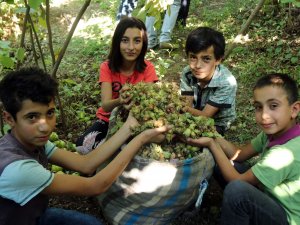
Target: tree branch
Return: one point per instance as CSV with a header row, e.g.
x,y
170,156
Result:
x,y
37,41
33,47
244,27
70,34
61,54
49,32
22,41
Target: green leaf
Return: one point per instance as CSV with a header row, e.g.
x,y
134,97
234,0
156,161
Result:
x,y
10,1
35,4
142,14
69,81
4,44
279,43
288,56
21,10
278,50
42,22
294,60
20,54
6,62
6,127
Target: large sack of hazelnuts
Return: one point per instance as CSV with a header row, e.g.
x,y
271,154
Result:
x,y
162,180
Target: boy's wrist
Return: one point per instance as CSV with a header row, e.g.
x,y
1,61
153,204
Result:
x,y
142,138
212,143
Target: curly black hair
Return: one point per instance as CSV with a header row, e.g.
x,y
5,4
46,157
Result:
x,y
27,83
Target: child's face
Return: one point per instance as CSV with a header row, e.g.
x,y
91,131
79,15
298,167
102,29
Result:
x,y
35,122
273,113
131,44
203,64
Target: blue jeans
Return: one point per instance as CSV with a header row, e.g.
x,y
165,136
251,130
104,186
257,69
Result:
x,y
167,27
56,216
244,204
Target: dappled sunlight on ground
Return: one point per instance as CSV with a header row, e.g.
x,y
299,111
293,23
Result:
x,y
242,39
58,3
93,27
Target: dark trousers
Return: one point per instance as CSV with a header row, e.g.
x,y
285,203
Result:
x,y
183,12
92,137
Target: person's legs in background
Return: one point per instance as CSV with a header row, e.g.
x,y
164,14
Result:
x,y
126,7
168,25
152,33
183,12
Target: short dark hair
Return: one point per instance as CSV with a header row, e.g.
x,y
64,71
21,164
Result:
x,y
288,84
115,57
27,83
202,38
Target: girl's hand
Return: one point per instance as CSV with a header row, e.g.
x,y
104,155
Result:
x,y
124,96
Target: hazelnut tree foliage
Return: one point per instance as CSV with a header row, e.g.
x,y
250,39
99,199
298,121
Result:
x,y
158,104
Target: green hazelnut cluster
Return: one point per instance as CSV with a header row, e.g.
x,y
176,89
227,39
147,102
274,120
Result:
x,y
66,145
158,104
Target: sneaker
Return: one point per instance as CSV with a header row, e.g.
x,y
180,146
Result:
x,y
152,47
168,45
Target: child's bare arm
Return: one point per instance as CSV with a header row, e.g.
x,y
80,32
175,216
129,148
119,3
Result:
x,y
228,171
234,152
107,103
208,111
87,164
76,185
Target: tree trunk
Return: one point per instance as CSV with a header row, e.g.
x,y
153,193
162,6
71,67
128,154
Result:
x,y
61,54
245,27
50,44
67,41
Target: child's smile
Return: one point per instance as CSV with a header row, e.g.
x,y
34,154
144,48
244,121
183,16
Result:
x,y
131,44
273,113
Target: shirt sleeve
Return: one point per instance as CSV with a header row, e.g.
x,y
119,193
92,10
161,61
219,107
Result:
x,y
105,73
50,148
22,180
150,74
185,86
259,142
224,95
272,169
